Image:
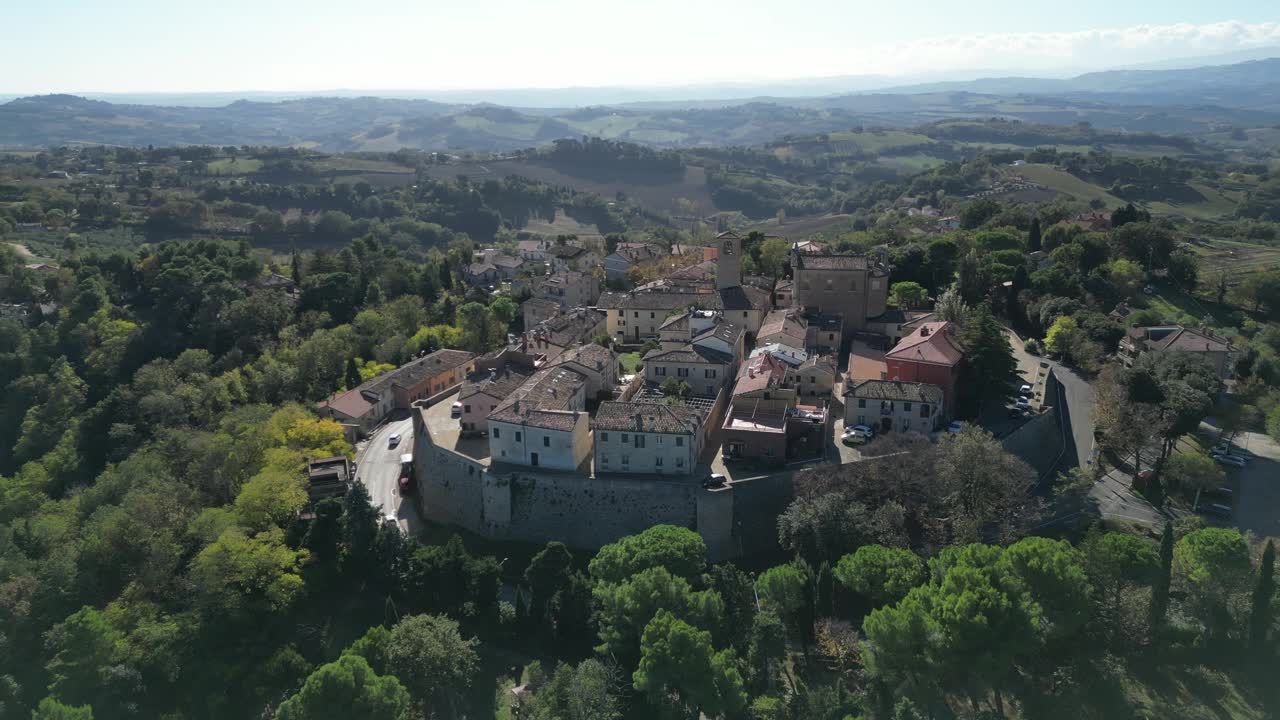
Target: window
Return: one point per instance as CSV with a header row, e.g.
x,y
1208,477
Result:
x,y
813,378
744,314
546,441
639,440
626,459
711,389
471,469
651,316
709,373
862,402
924,410
466,408
496,433
679,462
831,337
906,407
862,420
604,437
828,284
660,370
504,453
682,372
625,438
604,460
636,315
657,462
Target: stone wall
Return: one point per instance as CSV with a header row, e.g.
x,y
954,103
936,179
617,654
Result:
x,y
1040,440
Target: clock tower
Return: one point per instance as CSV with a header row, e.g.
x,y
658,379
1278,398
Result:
x,y
728,260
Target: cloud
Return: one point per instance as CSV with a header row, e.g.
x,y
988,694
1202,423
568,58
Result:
x,y
1108,47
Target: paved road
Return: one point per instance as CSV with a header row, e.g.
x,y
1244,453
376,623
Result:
x,y
379,469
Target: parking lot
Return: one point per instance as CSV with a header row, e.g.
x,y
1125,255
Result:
x,y
1257,485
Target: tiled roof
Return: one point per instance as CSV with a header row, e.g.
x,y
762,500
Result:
x,y
544,400
481,268
931,342
670,300
414,372
785,322
721,330
866,362
675,323
571,327
689,354
814,261
590,355
646,417
744,297
350,403
498,385
566,252
821,362
506,261
1188,340
610,300
540,302
790,355
895,390
760,373
698,271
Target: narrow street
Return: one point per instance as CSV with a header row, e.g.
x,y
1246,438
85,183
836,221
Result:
x,y
379,469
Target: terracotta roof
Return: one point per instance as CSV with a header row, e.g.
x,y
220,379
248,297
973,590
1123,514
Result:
x,y
866,362
1189,340
895,390
540,302
689,354
782,322
577,325
813,261
744,297
760,373
722,330
416,371
699,271
566,252
546,399
350,403
676,322
931,343
670,300
498,385
820,362
610,300
480,268
646,417
506,261
590,356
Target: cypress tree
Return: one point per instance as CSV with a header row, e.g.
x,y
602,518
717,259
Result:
x,y
352,374
295,267
1263,593
1160,590
1033,235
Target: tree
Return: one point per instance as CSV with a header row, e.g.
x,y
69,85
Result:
x,y
587,692
907,295
1163,580
990,368
346,688
429,654
1264,290
1129,214
773,257
678,662
479,326
981,486
1033,235
882,575
1193,471
238,572
1125,274
1117,561
352,377
675,388
549,573
951,307
359,525
83,648
51,709
782,590
767,651
679,550
1264,590
273,497
1061,336
625,608
1212,563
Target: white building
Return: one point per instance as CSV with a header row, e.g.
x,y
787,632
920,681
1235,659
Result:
x,y
543,423
641,437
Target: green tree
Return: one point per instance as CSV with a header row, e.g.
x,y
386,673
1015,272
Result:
x,y
429,654
773,257
51,709
239,572
1116,563
373,646
1193,472
1213,564
882,575
549,574
352,374
990,368
83,649
680,550
782,589
478,325
625,608
908,295
1163,580
767,651
273,497
1033,235
346,688
1062,336
982,487
1125,274
675,388
1261,609
678,664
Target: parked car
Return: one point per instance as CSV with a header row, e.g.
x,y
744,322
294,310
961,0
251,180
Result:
x,y
390,521
1022,403
1025,390
1215,509
1017,411
1222,492
851,436
714,480
955,426
456,409
1232,460
394,440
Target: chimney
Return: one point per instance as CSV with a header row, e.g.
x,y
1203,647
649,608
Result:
x,y
924,331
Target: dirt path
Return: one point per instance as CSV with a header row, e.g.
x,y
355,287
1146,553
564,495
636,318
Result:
x,y
23,250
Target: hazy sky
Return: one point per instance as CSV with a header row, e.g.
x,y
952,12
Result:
x,y
184,46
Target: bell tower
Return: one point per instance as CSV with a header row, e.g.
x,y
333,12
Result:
x,y
728,260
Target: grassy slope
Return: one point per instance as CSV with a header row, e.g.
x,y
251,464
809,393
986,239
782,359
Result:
x,y
1065,183
235,166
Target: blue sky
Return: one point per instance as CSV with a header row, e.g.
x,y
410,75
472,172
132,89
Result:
x,y
182,46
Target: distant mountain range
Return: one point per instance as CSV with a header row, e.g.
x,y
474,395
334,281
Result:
x,y
1182,100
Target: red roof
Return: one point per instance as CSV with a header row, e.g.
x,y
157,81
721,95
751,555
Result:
x,y
759,373
350,403
931,343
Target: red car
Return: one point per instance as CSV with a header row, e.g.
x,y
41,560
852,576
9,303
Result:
x,y
405,484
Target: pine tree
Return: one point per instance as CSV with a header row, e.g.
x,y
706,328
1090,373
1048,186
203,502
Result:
x,y
1160,589
295,267
352,374
446,277
1033,235
989,364
374,296
1263,593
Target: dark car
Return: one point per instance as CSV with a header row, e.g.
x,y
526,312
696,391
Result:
x,y
713,480
1215,509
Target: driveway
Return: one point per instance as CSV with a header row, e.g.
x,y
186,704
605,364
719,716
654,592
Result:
x,y
379,469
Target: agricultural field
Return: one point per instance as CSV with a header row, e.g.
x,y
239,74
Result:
x,y
1214,205
563,225
1064,182
234,166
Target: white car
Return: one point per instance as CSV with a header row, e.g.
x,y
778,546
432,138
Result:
x,y
955,426
394,440
455,410
851,436
1232,460
1022,403
1025,390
